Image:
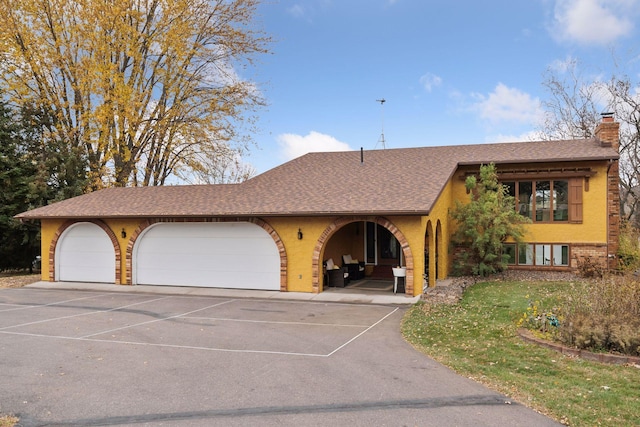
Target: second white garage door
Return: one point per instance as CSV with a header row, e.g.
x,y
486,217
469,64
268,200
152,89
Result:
x,y
238,255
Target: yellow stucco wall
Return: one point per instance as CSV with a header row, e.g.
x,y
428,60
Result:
x,y
129,226
349,238
439,215
300,253
593,228
48,230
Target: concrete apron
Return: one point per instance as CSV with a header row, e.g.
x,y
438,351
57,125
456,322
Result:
x,y
345,295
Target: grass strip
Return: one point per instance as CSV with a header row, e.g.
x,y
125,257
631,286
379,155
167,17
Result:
x,y
478,339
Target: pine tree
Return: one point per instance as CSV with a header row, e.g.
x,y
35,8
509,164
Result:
x,y
484,224
19,243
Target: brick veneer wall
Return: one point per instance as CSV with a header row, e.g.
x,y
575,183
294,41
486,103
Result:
x,y
596,252
613,211
608,132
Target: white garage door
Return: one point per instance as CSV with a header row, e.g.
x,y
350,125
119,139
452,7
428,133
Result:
x,y
237,255
85,253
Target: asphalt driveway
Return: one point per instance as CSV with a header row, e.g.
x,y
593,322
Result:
x,y
86,358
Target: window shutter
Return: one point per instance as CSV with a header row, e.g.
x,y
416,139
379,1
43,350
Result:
x,y
575,200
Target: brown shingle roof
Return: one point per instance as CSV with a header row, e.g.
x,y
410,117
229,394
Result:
x,y
392,181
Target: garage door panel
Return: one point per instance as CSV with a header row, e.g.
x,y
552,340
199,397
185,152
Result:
x,y
239,246
85,253
226,255
222,279
80,244
208,260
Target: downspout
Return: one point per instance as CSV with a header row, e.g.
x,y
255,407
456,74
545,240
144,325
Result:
x,y
608,214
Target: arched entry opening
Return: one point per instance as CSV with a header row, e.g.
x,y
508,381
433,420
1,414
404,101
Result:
x,y
429,256
373,241
438,267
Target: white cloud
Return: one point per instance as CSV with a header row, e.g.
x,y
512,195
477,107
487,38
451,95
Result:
x,y
293,145
527,136
429,81
297,10
563,65
593,21
507,104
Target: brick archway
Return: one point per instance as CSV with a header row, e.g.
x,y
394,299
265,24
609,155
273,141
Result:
x,y
341,222
64,227
257,221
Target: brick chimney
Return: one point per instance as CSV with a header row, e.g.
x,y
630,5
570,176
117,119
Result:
x,y
608,131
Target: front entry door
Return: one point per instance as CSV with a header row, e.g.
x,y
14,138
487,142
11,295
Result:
x,y
382,246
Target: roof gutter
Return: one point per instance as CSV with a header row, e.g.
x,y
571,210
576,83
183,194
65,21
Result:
x,y
237,215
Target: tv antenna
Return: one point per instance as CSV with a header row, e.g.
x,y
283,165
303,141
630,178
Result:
x,y
381,140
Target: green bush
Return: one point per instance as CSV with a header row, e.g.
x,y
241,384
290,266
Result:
x,y
483,225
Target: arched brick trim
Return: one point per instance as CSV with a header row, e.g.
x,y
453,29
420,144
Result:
x,y
257,221
341,222
63,228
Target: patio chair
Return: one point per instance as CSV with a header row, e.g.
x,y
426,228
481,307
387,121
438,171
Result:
x,y
336,276
355,267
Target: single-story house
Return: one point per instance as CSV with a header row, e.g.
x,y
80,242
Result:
x,y
384,208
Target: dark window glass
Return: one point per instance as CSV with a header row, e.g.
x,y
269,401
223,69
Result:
x,y
525,199
560,200
511,188
525,254
543,200
509,249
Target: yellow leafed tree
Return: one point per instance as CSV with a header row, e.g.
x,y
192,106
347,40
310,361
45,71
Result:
x,y
145,89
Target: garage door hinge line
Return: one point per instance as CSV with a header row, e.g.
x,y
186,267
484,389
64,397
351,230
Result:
x,y
157,320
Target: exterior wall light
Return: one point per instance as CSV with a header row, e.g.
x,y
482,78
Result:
x,y
123,233
299,234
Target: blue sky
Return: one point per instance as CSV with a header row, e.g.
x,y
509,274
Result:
x,y
451,72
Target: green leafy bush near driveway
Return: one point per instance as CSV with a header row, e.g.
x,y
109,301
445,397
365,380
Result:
x,y
478,338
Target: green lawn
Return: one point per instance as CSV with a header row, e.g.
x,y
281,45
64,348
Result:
x,y
478,339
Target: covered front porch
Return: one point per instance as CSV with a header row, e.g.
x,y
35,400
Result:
x,y
367,253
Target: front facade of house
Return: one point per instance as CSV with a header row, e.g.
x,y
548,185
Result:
x,y
383,207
